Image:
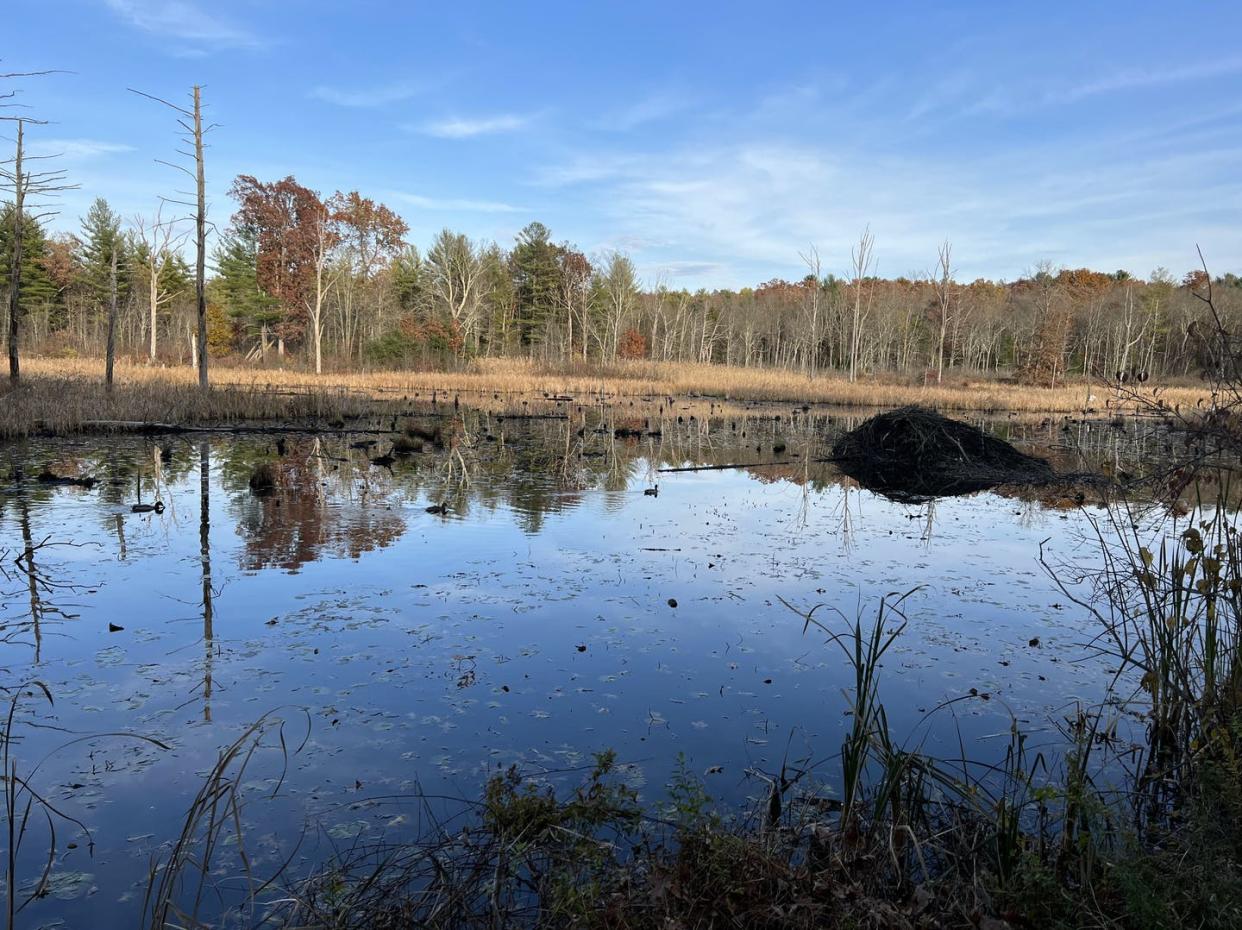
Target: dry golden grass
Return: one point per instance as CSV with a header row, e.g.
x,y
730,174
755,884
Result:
x,y
65,395
59,403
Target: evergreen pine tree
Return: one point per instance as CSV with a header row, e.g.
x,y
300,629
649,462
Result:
x,y
101,233
37,285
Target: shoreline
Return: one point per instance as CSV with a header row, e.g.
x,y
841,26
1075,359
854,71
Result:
x,y
59,396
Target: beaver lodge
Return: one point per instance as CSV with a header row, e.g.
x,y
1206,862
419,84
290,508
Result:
x,y
914,454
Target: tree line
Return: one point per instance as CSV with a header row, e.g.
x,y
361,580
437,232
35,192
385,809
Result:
x,y
317,279
333,280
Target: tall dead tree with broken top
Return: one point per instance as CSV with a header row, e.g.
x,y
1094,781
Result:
x,y
30,188
191,122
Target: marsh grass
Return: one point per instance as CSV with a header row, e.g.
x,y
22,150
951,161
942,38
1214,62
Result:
x,y
58,406
66,395
1168,603
182,890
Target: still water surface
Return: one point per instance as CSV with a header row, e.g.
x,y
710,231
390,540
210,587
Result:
x,y
552,610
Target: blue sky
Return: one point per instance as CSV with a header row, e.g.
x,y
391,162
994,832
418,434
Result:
x,y
713,141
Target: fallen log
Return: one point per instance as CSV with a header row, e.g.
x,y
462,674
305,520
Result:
x,y
64,481
139,426
723,467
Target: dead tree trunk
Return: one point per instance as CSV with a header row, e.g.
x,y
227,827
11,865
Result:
x,y
15,268
191,122
944,296
110,349
204,549
200,239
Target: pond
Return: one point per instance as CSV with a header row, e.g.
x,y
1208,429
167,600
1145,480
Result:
x,y
561,597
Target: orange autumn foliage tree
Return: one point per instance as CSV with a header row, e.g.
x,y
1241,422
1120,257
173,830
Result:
x,y
633,345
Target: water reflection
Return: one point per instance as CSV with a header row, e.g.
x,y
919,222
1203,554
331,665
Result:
x,y
204,549
31,571
528,620
317,508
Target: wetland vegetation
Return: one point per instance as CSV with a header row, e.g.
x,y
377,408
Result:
x,y
358,576
601,665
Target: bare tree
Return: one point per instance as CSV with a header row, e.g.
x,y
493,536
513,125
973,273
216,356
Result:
x,y
200,238
943,284
862,256
457,279
814,287
323,240
29,188
20,182
575,296
191,122
617,296
160,240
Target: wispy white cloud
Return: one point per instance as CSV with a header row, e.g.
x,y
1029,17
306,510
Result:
x,y
78,149
653,108
942,93
703,270
462,127
1136,79
586,168
184,20
374,96
1015,99
737,213
453,204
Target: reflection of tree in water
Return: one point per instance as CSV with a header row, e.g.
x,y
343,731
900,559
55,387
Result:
x,y
532,467
543,467
848,486
929,522
331,500
537,467
31,567
535,479
297,522
126,471
27,563
204,555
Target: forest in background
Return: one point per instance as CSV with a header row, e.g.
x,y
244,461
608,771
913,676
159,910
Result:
x,y
317,282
